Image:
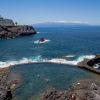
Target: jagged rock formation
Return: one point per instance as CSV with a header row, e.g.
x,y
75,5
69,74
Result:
x,y
9,30
6,87
3,83
81,90
53,94
88,89
89,64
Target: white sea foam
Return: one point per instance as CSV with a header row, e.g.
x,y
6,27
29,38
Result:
x,y
70,56
38,32
71,62
21,61
39,59
39,42
97,66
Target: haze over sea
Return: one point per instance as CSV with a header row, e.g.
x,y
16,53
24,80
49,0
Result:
x,y
65,44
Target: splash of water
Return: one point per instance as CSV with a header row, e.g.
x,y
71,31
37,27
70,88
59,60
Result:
x,y
39,59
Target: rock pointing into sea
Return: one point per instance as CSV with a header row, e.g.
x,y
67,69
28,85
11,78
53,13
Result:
x,y
8,29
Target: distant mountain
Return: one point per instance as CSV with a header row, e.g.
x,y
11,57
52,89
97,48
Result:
x,y
59,24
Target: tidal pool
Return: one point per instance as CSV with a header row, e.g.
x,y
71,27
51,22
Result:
x,y
36,78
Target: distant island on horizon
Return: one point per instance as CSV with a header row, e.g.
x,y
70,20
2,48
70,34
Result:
x,y
62,23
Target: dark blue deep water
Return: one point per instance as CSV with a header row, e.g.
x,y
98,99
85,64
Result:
x,y
71,43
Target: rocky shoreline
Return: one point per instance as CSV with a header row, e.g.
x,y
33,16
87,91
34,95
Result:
x,y
86,89
90,64
6,87
14,31
8,29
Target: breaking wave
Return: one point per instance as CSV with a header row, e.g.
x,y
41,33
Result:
x,y
38,32
38,42
72,62
39,59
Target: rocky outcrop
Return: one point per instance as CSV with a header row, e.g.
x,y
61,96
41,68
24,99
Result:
x,y
53,94
88,89
3,83
9,30
6,87
13,31
90,64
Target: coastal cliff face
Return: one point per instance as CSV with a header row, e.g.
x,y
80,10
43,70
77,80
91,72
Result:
x,y
9,30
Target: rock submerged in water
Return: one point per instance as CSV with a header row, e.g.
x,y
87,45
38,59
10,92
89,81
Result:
x,y
9,30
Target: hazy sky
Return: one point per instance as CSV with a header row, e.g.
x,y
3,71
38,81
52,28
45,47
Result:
x,y
34,11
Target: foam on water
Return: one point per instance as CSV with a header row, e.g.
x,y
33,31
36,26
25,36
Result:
x,y
38,32
39,59
97,66
69,56
38,42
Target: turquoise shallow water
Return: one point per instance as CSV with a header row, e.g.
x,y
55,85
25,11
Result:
x,y
36,78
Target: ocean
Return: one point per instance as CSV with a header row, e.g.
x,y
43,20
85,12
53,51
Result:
x,y
39,66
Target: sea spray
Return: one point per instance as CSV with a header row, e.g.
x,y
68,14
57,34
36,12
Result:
x,y
39,42
39,59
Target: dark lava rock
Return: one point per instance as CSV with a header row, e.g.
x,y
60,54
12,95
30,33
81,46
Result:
x,y
89,64
52,94
9,30
13,31
88,89
8,95
81,90
6,87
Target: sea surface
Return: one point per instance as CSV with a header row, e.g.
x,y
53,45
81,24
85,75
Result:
x,y
39,66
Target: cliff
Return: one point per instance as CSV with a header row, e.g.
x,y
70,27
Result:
x,y
9,30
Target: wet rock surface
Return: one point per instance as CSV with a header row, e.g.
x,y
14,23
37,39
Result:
x,y
89,64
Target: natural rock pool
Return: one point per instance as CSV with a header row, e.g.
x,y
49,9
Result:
x,y
34,79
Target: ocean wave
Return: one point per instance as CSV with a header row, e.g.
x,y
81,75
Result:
x,y
38,42
39,59
21,61
71,62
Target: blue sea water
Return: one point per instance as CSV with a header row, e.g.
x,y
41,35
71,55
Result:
x,y
63,41
68,43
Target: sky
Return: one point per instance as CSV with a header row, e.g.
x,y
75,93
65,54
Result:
x,y
37,11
